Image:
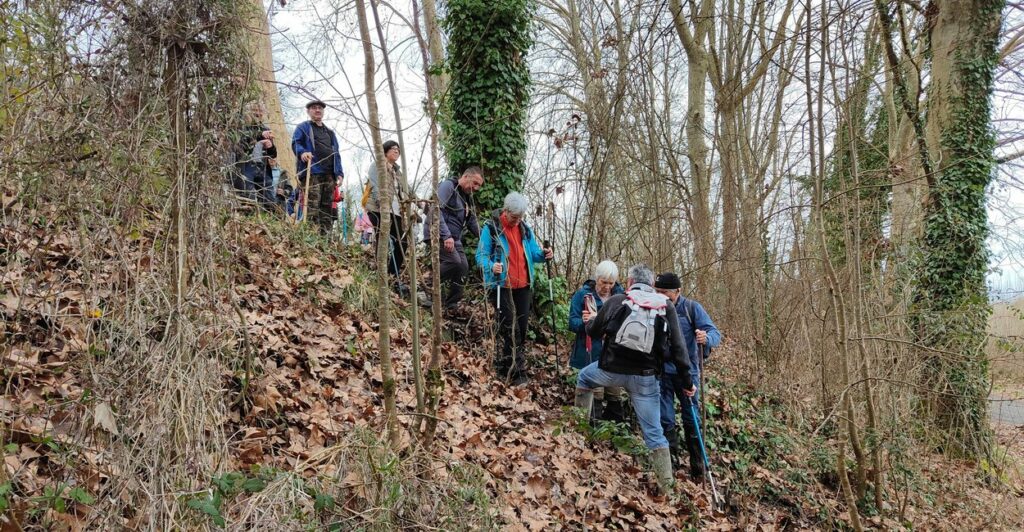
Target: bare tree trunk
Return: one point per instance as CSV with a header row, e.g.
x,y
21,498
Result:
x,y
405,209
383,241
817,170
434,378
702,229
176,101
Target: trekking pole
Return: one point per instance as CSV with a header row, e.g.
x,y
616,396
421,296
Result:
x,y
590,306
499,295
716,498
305,193
700,374
551,292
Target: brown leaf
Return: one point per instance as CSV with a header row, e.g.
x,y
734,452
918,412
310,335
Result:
x,y
104,418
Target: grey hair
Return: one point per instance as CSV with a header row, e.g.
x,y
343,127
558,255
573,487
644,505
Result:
x,y
606,270
641,273
516,203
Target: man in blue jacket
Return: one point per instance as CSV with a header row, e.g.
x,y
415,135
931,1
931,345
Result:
x,y
698,330
316,144
585,304
507,251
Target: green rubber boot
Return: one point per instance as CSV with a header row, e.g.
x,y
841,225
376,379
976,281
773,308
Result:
x,y
584,399
662,459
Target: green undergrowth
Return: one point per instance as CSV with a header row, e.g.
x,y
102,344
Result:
x,y
620,436
762,455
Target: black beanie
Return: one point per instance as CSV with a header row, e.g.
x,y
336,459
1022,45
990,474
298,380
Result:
x,y
668,280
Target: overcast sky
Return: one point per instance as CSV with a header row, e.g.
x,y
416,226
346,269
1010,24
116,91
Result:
x,y
317,53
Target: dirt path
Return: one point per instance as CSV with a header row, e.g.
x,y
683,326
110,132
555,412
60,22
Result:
x,y
1006,408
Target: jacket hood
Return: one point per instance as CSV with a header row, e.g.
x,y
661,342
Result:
x,y
496,220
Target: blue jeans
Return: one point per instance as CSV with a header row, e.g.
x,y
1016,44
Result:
x,y
644,393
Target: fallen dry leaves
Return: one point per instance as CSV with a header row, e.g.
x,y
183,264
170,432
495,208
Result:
x,y
316,376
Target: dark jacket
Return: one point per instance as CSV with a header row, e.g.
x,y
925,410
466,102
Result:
x,y
692,315
667,338
456,214
580,358
302,142
248,138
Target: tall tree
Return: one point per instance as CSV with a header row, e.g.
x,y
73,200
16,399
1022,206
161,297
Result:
x,y
385,188
485,113
951,292
263,66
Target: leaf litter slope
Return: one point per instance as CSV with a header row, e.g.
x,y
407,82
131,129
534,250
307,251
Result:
x,y
316,378
545,473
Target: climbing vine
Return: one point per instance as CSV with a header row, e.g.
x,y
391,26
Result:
x,y
951,294
485,111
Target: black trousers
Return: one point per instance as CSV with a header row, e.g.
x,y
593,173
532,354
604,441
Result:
x,y
454,268
397,258
513,320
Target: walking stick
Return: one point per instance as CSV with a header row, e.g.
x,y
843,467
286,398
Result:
x,y
499,295
551,292
700,374
716,498
305,193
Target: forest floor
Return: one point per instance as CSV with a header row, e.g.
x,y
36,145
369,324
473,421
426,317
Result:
x,y
312,416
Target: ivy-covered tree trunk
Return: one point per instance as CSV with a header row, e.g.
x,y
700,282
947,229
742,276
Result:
x,y
485,113
951,295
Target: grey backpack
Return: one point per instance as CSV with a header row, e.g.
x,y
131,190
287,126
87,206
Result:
x,y
638,328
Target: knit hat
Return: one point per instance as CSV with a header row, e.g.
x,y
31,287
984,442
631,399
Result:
x,y
668,280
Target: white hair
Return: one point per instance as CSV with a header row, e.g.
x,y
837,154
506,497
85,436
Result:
x,y
516,204
606,270
641,273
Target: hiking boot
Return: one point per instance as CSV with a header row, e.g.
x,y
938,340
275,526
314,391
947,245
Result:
x,y
615,410
584,399
675,446
401,289
520,380
662,462
696,459
596,412
424,300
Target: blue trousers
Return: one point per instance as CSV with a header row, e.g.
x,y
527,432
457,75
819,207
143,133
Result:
x,y
644,392
671,388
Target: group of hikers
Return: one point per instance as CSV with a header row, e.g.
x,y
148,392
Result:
x,y
644,343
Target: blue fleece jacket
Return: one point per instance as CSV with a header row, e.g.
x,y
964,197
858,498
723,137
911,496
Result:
x,y
687,310
490,250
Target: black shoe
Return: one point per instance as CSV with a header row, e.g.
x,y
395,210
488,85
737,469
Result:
x,y
696,459
614,410
697,472
675,446
520,380
401,289
596,411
